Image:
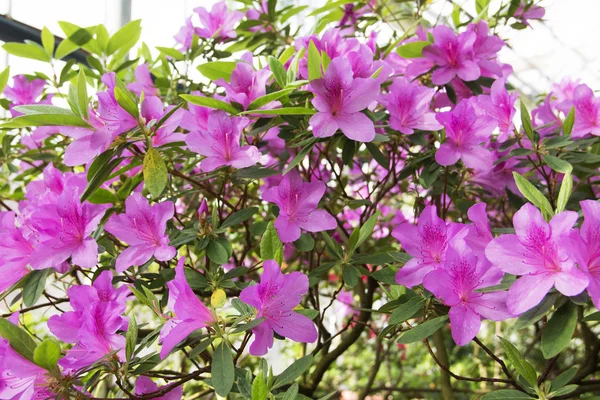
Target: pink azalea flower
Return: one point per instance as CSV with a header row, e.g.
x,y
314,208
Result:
x,y
64,230
500,105
339,100
154,110
587,112
453,55
220,143
143,82
66,326
275,298
93,324
363,65
246,84
219,22
24,92
185,36
539,251
465,131
426,243
21,379
525,12
485,48
455,283
144,385
409,106
195,118
190,313
15,251
142,227
109,121
587,248
297,202
332,42
480,233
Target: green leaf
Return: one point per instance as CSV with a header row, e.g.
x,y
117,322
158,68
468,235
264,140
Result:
x,y
34,286
305,243
559,330
412,49
48,41
237,218
291,393
282,111
557,164
27,50
271,247
569,121
4,78
76,38
209,102
131,338
518,362
125,38
222,370
126,99
278,70
314,62
45,115
423,330
259,387
406,310
532,194
100,177
171,52
217,252
266,99
82,95
307,312
293,371
155,173
506,394
217,70
566,187
46,355
378,155
366,230
526,122
565,390
103,196
18,338
564,378
300,156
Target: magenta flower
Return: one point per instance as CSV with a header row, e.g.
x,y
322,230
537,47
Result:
x,y
143,228
143,82
465,132
219,22
525,12
275,298
500,105
220,143
246,84
109,121
154,110
485,49
587,112
453,55
195,118
409,106
426,243
454,285
15,251
539,251
24,92
339,100
20,379
64,230
145,385
185,36
190,313
480,233
587,248
66,326
298,202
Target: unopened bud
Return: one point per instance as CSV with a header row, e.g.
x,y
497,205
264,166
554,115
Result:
x,y
218,298
202,210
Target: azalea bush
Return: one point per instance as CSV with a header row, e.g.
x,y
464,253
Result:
x,y
266,211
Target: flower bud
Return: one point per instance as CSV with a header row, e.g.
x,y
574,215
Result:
x,y
202,210
218,298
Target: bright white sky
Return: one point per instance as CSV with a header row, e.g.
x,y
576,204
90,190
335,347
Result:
x,y
564,45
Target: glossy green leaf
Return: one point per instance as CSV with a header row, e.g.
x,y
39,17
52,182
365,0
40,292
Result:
x,y
46,355
559,330
222,370
155,173
423,330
